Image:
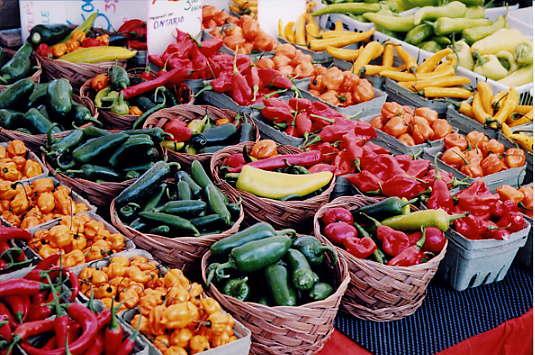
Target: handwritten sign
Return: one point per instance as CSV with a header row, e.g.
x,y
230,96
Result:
x,y
166,16
270,11
111,13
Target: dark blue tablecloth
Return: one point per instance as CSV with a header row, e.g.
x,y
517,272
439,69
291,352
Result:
x,y
446,317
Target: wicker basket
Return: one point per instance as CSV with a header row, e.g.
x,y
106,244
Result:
x,y
379,292
114,121
188,113
36,141
286,330
36,77
175,252
282,214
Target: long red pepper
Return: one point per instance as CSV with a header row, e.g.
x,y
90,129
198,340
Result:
x,y
5,328
128,344
19,306
20,287
61,323
97,347
113,333
86,319
7,233
280,161
175,76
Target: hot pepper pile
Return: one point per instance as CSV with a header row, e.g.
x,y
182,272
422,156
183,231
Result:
x,y
42,108
271,267
401,239
17,67
15,163
339,88
188,204
274,176
79,239
475,155
27,205
12,256
207,135
488,218
522,197
289,61
411,126
135,32
99,155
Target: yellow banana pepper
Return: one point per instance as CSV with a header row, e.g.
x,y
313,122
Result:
x,y
343,54
98,54
277,185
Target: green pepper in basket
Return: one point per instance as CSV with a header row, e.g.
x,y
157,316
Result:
x,y
237,288
427,218
303,278
18,66
388,207
95,172
321,291
251,257
175,222
118,78
16,94
278,281
313,250
60,96
120,106
453,9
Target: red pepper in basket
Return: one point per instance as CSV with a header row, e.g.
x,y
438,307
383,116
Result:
x,y
4,311
404,161
174,76
337,214
350,144
402,186
20,287
303,124
5,328
128,344
43,50
360,248
61,325
435,240
344,163
418,167
156,60
241,92
393,242
318,168
338,232
498,234
113,333
178,129
129,25
251,74
384,166
97,348
471,227
332,133
281,161
223,83
440,197
477,199
19,306
512,221
365,181
137,44
412,255
8,233
365,131
377,149
234,162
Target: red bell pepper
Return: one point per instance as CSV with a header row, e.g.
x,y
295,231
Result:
x,y
361,248
440,197
402,186
337,214
435,240
178,129
365,181
338,232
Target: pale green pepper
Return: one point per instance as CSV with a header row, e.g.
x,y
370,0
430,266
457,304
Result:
x,y
475,12
524,54
452,10
489,66
446,25
507,60
391,22
464,56
472,35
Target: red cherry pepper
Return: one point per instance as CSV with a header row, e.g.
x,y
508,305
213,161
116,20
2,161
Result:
x,y
440,197
393,242
43,50
361,248
402,186
512,221
435,240
365,182
412,255
498,234
234,162
337,214
178,129
338,232
471,227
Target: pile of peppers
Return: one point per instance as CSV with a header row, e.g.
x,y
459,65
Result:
x,y
401,238
170,202
274,268
12,256
98,155
17,67
488,217
42,108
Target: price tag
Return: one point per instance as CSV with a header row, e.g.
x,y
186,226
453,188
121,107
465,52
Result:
x,y
270,11
166,16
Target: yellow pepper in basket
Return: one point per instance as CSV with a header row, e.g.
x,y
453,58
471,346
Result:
x,y
97,54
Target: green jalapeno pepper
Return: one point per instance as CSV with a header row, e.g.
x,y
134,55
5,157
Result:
x,y
15,95
19,66
320,291
278,281
303,278
313,250
237,288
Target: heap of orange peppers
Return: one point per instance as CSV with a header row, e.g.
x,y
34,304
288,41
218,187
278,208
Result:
x,y
14,163
80,238
521,197
290,61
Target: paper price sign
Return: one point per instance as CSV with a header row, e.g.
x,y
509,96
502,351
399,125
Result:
x,y
166,16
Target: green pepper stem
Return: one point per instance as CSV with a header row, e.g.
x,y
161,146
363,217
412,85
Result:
x,y
453,217
375,222
217,270
287,232
330,250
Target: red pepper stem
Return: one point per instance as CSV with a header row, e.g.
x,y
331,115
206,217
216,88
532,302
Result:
x,y
55,303
310,140
205,88
267,96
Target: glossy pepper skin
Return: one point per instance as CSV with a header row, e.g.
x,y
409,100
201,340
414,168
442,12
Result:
x,y
435,240
440,197
411,255
237,288
339,232
337,214
361,248
393,242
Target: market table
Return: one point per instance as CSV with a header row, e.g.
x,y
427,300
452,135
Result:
x,y
492,319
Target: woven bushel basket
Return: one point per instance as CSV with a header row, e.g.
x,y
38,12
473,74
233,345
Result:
x,y
99,194
379,292
282,214
188,113
176,252
76,73
294,330
36,141
114,121
36,76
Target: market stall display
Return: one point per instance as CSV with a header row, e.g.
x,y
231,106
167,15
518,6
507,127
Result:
x,y
288,175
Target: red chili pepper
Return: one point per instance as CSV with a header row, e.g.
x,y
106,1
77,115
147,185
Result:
x,y
321,109
337,214
90,42
137,44
47,263
19,306
156,60
234,162
61,324
360,248
5,328
251,75
273,78
174,76
418,167
471,227
384,166
241,92
199,64
365,181
435,240
350,144
211,46
8,233
29,329
281,161
72,331
332,133
20,287
299,104
178,129
113,334
477,199
303,124
277,114
512,221
7,313
338,232
97,347
44,50
86,319
375,148
50,344
344,163
128,344
318,168
440,197
364,131
404,160
409,256
130,25
271,101
402,186
393,242
103,318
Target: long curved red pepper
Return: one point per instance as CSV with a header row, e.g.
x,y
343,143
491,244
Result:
x,y
113,334
5,328
20,287
61,323
280,161
174,76
7,233
19,305
89,323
